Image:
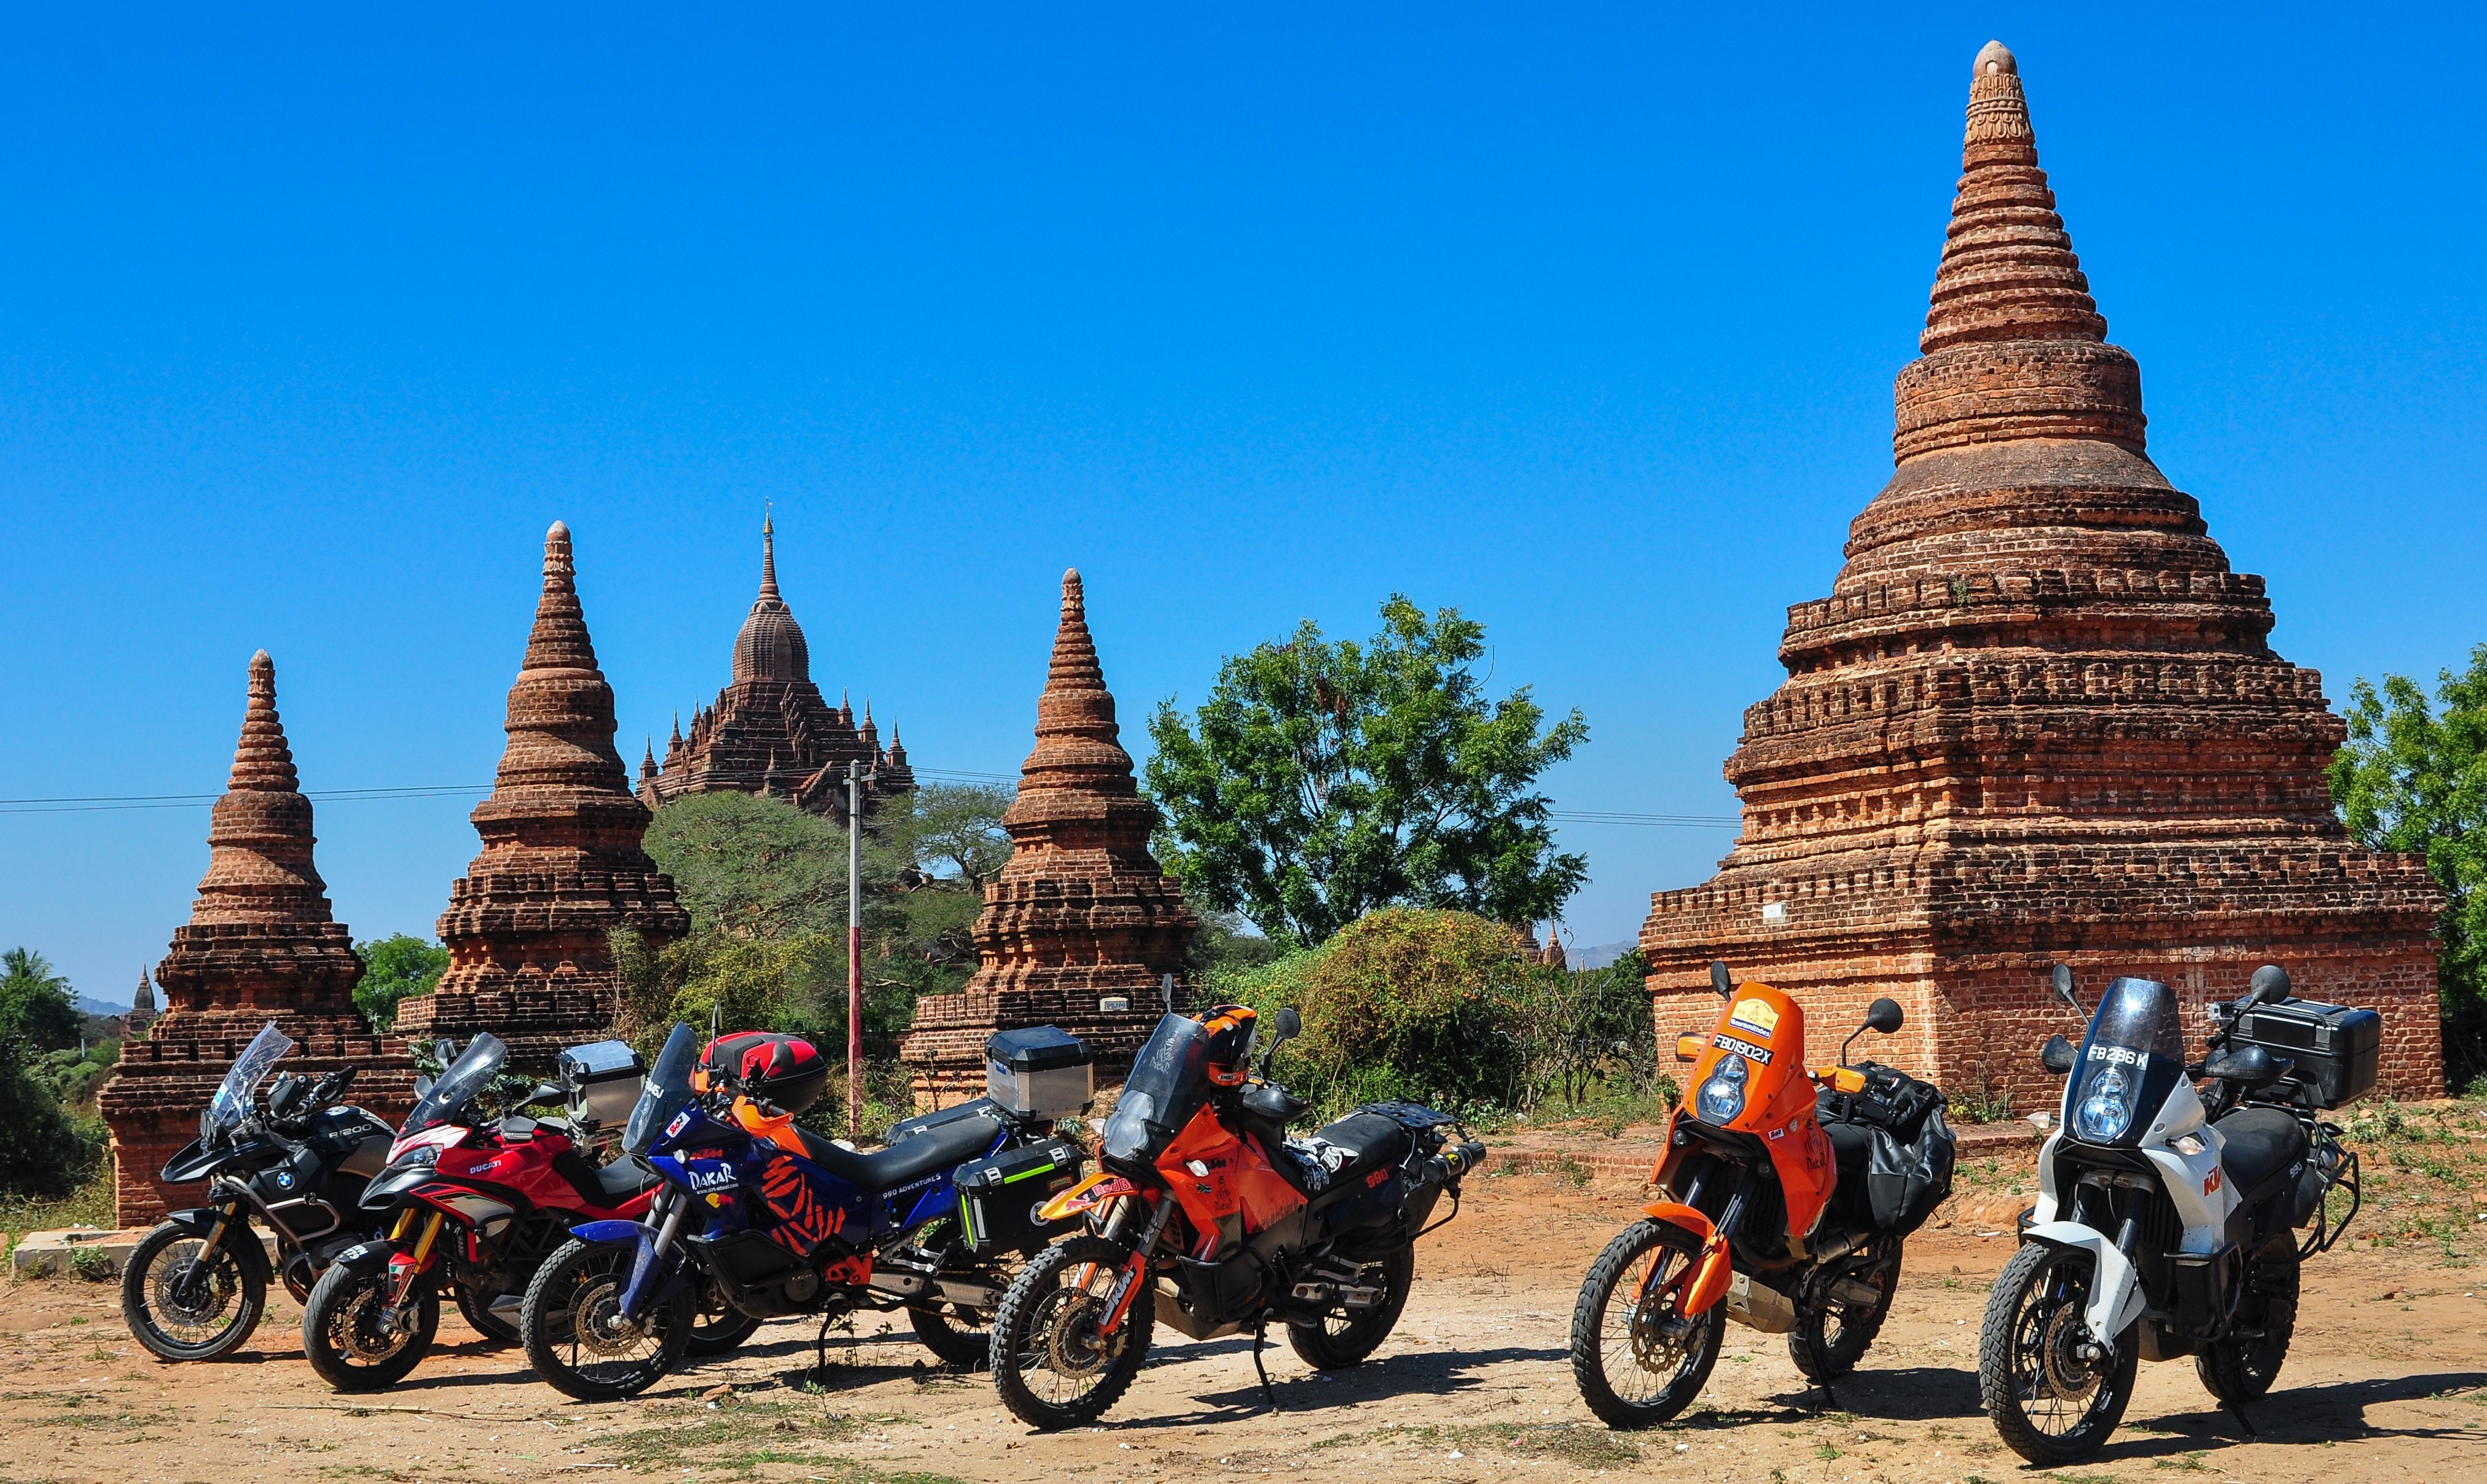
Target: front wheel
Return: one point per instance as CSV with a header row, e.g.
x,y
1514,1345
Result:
x,y
1050,1364
1638,1357
576,1336
182,1307
1341,1341
2054,1390
352,1339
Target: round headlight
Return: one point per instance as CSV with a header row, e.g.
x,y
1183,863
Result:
x,y
2108,1109
1722,1097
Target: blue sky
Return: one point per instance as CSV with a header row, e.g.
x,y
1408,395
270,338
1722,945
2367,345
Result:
x,y
1583,320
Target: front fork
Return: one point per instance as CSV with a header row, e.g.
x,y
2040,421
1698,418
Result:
x,y
405,1273
666,1215
1135,1273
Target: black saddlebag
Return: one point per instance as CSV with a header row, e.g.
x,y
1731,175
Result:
x,y
1893,1150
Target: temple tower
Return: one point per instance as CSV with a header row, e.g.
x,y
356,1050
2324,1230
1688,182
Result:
x,y
529,926
1082,912
2037,717
260,945
769,731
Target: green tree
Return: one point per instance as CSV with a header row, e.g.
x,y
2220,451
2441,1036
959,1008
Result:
x,y
1326,780
42,1151
396,969
35,1003
956,833
2415,778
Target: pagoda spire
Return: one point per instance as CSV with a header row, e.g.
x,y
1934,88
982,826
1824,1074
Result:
x,y
769,556
259,839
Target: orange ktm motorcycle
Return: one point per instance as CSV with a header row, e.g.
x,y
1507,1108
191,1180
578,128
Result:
x,y
1784,1196
1208,1219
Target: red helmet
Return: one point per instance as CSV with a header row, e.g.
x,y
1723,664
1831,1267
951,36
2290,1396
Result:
x,y
783,1071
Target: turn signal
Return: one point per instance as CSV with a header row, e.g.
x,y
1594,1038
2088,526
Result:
x,y
1690,1046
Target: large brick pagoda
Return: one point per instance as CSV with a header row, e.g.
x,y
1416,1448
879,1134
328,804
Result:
x,y
769,731
529,926
1082,910
2037,717
260,945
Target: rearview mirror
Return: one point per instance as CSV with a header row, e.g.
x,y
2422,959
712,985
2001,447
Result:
x,y
1287,1024
2063,977
2267,987
547,1092
2057,1055
1883,1017
1721,981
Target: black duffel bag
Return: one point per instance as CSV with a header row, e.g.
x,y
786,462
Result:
x,y
1908,1149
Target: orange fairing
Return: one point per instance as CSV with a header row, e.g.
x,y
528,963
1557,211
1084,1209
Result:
x,y
1217,1175
1766,1030
1088,1194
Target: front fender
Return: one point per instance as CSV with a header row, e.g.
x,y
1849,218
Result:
x,y
609,1233
1711,1270
365,1257
2116,1290
1088,1194
239,1236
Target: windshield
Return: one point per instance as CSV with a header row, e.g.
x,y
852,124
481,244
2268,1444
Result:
x,y
233,1099
1166,1088
460,1081
665,1092
2132,1059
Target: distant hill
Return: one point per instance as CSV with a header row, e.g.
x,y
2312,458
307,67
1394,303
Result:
x,y
90,1005
1600,955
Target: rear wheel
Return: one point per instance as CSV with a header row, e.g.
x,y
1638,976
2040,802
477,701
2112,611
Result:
x,y
1051,1366
476,1308
1833,1330
1638,1357
717,1324
2054,1390
350,1339
1342,1340
961,1336
2242,1369
577,1338
182,1307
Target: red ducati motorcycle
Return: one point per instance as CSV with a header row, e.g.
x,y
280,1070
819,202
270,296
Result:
x,y
480,1199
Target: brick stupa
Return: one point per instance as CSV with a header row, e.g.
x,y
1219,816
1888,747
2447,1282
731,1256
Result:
x,y
529,926
1082,912
769,731
2037,718
261,944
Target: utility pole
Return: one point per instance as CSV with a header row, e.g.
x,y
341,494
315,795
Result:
x,y
857,778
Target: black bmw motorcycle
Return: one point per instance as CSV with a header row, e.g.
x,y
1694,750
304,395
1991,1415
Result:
x,y
196,1286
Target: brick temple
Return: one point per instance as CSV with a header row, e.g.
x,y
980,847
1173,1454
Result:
x,y
769,731
2038,717
261,944
529,926
1082,913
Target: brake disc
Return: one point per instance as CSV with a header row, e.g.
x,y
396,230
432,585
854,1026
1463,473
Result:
x,y
211,1292
1072,1344
595,1317
2059,1361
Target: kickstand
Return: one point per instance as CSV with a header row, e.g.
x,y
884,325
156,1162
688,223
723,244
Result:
x,y
821,1349
1830,1398
1268,1394
2237,1411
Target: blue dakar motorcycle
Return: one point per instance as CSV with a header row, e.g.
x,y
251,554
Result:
x,y
785,1223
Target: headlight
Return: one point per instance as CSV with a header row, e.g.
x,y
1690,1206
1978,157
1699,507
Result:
x,y
427,1153
1722,1097
2107,1110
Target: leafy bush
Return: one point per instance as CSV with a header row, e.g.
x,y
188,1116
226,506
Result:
x,y
396,969
1444,1007
72,1076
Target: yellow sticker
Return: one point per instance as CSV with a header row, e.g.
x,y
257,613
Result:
x,y
1755,1015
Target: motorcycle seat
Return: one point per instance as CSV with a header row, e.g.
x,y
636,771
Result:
x,y
1368,1140
2261,1144
623,1179
936,1148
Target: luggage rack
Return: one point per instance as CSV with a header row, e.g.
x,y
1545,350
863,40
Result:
x,y
2343,1172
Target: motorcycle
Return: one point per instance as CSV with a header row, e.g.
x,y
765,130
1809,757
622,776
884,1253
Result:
x,y
2168,1215
1207,1218
1784,1199
504,1189
785,1223
196,1286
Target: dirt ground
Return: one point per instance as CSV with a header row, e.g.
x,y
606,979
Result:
x,y
2388,1381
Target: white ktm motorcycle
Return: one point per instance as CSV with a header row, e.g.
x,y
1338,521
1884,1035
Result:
x,y
2167,1217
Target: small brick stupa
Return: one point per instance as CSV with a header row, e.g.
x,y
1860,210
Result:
x,y
2037,718
260,945
529,926
1081,913
769,731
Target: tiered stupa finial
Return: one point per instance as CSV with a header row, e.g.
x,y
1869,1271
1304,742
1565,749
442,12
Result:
x,y
2038,717
528,925
1082,915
